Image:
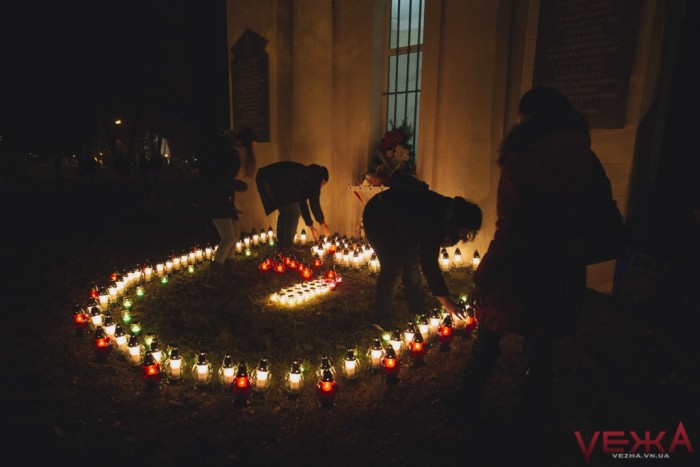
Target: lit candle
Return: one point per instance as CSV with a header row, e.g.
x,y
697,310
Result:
x,y
476,259
350,365
227,371
295,378
121,339
262,376
174,363
202,370
95,316
376,352
134,350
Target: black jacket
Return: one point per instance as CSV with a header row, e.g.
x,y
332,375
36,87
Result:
x,y
217,182
288,182
416,216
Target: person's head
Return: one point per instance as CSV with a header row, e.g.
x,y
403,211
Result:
x,y
543,101
321,171
246,136
465,222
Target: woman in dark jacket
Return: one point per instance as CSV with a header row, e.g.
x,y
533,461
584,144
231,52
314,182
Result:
x,y
533,277
292,188
407,225
217,185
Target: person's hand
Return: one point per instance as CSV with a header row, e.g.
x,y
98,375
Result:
x,y
455,311
325,230
494,311
314,232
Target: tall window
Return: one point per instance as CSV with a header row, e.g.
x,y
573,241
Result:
x,y
404,61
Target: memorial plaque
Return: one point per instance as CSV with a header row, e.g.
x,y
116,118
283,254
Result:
x,y
251,85
585,50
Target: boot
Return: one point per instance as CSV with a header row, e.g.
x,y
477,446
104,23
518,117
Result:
x,y
229,270
215,276
467,402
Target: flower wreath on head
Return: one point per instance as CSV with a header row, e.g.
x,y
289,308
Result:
x,y
393,153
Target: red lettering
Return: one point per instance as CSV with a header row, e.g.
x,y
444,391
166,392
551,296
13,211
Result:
x,y
681,439
647,441
608,441
587,450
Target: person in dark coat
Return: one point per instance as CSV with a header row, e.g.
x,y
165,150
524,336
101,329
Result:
x,y
532,279
407,225
220,164
294,190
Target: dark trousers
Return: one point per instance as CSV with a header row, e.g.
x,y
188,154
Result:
x,y
538,378
398,259
287,221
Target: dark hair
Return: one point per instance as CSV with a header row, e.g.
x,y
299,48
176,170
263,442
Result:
x,y
544,101
246,136
320,170
547,111
465,215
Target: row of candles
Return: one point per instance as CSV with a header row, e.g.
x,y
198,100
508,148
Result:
x,y
384,356
352,253
158,365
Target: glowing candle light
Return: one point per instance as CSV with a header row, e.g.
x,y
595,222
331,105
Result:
x,y
140,291
109,325
391,365
135,350
81,320
375,354
408,333
127,303
227,372
351,366
457,257
102,343
241,385
417,349
424,327
168,266
446,333
373,264
476,259
151,370
295,379
303,238
174,364
261,376
155,350
160,269
445,261
326,389
396,341
135,327
435,319
201,371
121,339
96,317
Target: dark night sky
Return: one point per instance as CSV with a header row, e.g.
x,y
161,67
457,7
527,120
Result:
x,y
68,66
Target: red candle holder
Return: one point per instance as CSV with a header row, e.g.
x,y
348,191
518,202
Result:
x,y
81,320
417,349
391,365
241,385
102,344
151,371
446,334
326,389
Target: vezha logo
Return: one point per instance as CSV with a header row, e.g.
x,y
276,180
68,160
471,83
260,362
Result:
x,y
633,445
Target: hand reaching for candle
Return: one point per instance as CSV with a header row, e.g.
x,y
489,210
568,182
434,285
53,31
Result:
x,y
451,307
314,232
325,230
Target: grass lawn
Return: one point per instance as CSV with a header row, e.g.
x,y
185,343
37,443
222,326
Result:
x,y
629,368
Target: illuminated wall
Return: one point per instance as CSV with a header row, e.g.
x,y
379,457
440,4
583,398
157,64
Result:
x,y
325,94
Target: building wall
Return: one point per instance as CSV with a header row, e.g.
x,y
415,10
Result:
x,y
326,74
